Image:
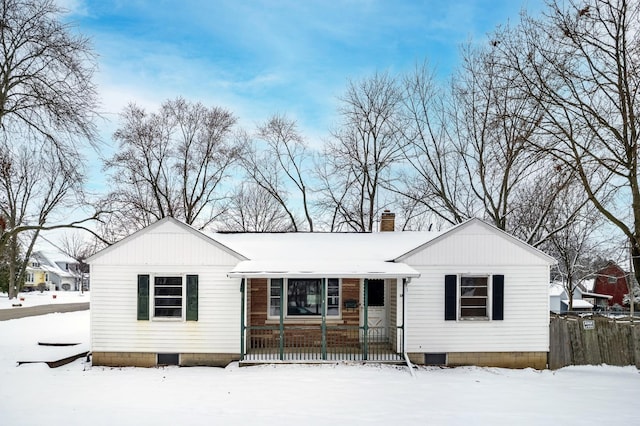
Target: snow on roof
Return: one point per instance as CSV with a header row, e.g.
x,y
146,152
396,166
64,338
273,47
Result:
x,y
49,265
596,295
556,289
321,269
588,284
578,304
322,254
56,270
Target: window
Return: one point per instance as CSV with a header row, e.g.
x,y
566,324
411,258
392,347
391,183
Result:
x,y
304,297
274,297
35,264
171,297
167,297
29,277
375,292
46,276
474,296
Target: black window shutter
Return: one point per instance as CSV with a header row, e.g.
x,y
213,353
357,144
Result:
x,y
450,297
497,301
192,298
143,297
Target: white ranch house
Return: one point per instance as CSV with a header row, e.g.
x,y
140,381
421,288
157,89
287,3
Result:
x,y
470,295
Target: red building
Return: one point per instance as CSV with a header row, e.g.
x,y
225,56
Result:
x,y
611,280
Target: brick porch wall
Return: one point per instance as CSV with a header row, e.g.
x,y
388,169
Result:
x,y
258,303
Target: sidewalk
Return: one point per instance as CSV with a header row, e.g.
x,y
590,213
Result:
x,y
29,311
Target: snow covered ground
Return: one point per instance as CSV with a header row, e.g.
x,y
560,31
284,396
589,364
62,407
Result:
x,y
79,394
35,298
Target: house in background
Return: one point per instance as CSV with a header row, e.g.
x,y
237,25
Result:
x,y
611,280
55,271
470,295
582,299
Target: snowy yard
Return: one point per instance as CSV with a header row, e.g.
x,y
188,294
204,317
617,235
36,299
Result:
x,y
36,298
78,394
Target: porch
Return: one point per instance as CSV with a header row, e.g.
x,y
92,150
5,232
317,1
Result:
x,y
317,344
296,320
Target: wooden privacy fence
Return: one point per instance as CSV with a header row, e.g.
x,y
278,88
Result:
x,y
577,340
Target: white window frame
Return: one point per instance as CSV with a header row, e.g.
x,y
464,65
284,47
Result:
x,y
488,296
285,284
30,277
270,297
152,296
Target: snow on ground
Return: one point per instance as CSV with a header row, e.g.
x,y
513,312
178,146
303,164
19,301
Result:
x,y
79,394
35,298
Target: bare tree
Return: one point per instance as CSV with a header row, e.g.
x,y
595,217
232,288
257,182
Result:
x,y
471,151
581,63
46,74
170,163
358,159
47,105
435,178
254,209
281,163
79,248
495,125
573,244
32,199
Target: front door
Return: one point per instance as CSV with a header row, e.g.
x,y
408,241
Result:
x,y
377,311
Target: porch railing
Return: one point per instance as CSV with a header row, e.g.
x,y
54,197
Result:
x,y
299,343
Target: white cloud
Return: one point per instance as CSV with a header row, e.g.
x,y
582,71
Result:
x,y
74,7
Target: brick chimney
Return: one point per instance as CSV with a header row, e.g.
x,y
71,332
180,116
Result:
x,y
387,221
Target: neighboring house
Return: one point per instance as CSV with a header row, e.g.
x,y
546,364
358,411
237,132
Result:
x,y
169,294
53,270
612,280
600,302
36,275
557,294
559,299
75,278
582,299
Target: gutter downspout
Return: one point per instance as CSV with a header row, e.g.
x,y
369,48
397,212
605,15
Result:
x,y
323,327
242,325
365,325
281,326
405,281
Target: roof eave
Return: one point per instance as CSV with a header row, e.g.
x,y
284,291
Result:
x,y
298,274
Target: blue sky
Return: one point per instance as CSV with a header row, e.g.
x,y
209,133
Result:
x,y
258,58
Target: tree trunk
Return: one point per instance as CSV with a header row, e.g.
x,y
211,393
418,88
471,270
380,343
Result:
x,y
13,244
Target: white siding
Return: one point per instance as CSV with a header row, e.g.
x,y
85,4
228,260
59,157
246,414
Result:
x,y
476,245
478,251
163,245
167,249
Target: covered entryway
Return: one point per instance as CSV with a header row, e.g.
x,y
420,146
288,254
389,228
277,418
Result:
x,y
293,319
